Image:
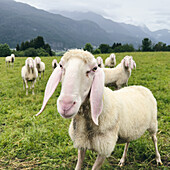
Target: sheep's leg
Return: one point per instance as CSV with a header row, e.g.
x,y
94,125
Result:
x,y
98,163
26,87
81,155
122,160
33,87
40,76
118,87
158,157
23,84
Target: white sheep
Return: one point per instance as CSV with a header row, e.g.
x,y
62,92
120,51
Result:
x,y
54,64
100,117
100,62
119,75
40,66
110,61
29,73
10,59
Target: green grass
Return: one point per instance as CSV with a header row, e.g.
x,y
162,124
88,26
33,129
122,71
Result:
x,y
43,142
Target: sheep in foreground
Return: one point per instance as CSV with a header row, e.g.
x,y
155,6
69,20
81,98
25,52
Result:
x,y
111,61
100,62
40,66
29,73
119,75
54,64
100,117
10,59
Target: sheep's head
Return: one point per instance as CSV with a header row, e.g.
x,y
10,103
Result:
x,y
99,61
12,55
54,63
112,56
128,62
37,60
29,62
80,75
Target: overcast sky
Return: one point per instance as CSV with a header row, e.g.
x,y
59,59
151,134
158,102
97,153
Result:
x,y
155,14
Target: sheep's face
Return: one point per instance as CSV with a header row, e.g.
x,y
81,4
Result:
x,y
112,56
37,60
30,63
80,77
77,78
54,63
99,61
128,62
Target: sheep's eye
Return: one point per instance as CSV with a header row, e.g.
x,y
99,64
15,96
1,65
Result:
x,y
94,69
61,66
99,65
87,72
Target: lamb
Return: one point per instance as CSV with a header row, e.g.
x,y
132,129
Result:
x,y
29,73
100,62
119,75
111,61
100,117
10,59
40,66
54,64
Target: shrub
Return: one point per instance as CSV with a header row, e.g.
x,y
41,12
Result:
x,y
30,52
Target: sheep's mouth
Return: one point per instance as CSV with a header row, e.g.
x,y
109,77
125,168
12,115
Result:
x,y
67,116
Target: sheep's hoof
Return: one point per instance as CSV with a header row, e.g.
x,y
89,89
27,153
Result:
x,y
120,164
159,163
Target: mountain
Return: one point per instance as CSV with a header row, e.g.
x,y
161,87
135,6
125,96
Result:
x,y
120,32
21,22
162,35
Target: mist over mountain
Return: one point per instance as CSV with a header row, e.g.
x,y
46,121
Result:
x,y
21,22
121,32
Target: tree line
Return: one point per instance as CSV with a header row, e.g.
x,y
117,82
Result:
x,y
32,48
37,47
147,45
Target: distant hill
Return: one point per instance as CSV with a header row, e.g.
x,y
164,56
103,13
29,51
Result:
x,y
20,22
120,32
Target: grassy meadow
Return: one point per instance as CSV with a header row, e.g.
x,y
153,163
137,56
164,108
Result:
x,y
29,142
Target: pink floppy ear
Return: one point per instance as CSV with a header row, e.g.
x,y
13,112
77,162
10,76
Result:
x,y
123,62
96,95
50,87
133,64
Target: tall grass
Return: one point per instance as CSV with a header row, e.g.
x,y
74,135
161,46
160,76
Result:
x,y
43,142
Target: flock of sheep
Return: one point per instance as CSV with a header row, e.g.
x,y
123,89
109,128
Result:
x,y
100,117
30,70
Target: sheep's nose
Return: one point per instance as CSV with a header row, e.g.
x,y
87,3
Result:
x,y
66,103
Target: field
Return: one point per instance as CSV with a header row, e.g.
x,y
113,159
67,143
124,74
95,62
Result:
x,y
29,142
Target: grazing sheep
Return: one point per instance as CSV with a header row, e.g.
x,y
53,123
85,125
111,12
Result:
x,y
40,66
100,117
29,73
10,59
100,62
54,64
110,61
119,75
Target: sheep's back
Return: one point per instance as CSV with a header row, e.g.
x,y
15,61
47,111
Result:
x,y
137,110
